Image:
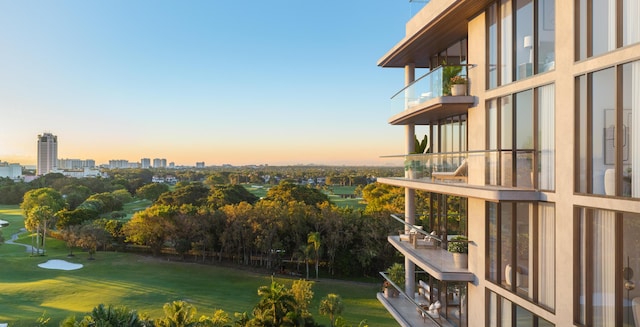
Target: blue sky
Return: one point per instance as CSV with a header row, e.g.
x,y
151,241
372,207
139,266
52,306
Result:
x,y
238,82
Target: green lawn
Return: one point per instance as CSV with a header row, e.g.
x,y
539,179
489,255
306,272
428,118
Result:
x,y
143,283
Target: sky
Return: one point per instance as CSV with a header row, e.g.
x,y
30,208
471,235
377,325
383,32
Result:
x,y
225,82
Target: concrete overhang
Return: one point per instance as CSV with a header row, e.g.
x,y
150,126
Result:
x,y
431,30
486,192
433,110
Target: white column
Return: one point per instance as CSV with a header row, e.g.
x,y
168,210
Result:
x,y
409,194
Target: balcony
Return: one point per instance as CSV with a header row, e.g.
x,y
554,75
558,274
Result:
x,y
427,252
432,97
489,175
414,310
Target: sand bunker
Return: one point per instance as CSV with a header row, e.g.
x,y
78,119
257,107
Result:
x,y
3,223
60,265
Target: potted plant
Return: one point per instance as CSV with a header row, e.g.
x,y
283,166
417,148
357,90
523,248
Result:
x,y
459,246
448,72
416,167
458,85
396,275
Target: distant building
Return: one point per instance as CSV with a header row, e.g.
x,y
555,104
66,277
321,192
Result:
x,y
76,163
159,163
145,163
10,170
47,153
200,164
118,164
172,165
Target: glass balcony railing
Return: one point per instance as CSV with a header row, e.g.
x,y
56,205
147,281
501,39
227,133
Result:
x,y
436,83
498,168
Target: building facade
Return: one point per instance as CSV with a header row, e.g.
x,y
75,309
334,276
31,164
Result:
x,y
10,170
530,164
145,163
47,153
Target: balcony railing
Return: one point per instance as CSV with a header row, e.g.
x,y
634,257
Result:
x,y
498,168
434,84
429,252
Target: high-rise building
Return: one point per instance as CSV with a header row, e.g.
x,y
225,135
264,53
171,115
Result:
x,y
200,164
145,163
530,166
159,163
47,153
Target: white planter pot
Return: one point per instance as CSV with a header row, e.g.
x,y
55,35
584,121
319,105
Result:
x,y
458,89
460,260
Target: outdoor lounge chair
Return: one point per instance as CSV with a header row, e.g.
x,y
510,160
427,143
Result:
x,y
460,174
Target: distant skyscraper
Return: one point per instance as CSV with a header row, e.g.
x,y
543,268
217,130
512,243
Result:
x,y
159,163
200,164
47,153
145,163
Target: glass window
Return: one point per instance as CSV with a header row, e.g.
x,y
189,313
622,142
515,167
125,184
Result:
x,y
603,99
524,38
492,22
510,314
546,255
546,36
606,26
630,27
492,241
631,129
546,137
510,237
506,42
603,26
602,232
608,131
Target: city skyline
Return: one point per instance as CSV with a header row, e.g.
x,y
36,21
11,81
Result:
x,y
221,82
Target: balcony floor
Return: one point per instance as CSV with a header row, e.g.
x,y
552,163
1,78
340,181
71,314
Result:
x,y
435,261
406,314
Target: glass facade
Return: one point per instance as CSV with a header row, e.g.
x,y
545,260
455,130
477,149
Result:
x,y
518,128
515,232
519,45
607,131
608,261
504,313
606,25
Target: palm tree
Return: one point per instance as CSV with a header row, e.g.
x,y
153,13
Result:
x,y
276,302
331,305
178,314
314,240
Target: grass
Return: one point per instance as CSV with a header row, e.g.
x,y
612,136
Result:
x,y
145,284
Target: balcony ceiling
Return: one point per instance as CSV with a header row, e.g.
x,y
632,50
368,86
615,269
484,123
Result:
x,y
444,29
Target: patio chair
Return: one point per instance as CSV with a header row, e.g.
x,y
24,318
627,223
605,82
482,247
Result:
x,y
460,174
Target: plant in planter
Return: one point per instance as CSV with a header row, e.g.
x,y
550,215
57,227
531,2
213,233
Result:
x,y
458,85
448,72
396,275
459,246
416,167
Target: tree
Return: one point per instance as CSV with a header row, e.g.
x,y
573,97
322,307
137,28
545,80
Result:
x,y
277,301
71,235
178,314
37,198
150,227
152,191
221,195
302,294
332,306
91,237
287,192
314,240
194,193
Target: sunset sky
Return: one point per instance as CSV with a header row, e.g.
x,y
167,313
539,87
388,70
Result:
x,y
225,82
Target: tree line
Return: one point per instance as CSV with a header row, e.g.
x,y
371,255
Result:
x,y
293,228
